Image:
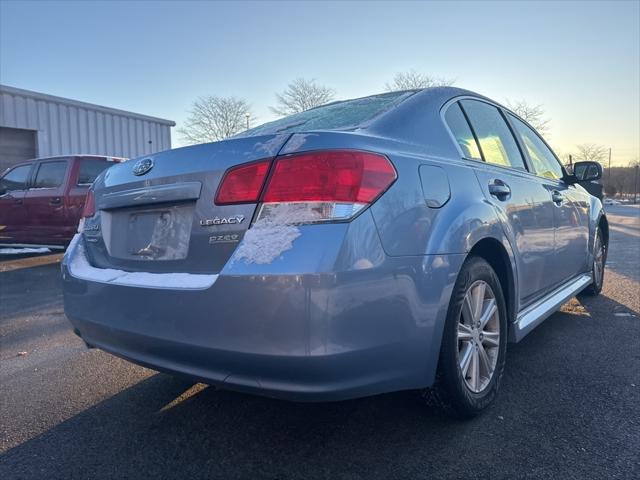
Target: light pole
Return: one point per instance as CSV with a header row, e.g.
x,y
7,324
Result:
x,y
635,187
247,115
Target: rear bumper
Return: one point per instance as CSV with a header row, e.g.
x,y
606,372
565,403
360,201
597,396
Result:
x,y
308,337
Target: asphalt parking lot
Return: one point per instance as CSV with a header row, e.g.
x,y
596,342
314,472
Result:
x,y
569,405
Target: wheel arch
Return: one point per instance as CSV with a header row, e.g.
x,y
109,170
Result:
x,y
494,252
603,225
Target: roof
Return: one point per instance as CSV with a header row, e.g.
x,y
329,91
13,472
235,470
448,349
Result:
x,y
67,101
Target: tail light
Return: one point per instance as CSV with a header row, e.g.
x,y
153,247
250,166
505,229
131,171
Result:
x,y
311,187
243,184
89,209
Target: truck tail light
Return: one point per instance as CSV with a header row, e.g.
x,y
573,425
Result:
x,y
89,209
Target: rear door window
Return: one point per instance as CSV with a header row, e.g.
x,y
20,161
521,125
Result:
x,y
462,133
50,174
90,169
15,179
497,144
544,161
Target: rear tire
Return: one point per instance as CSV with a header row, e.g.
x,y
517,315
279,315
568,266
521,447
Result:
x,y
597,267
474,342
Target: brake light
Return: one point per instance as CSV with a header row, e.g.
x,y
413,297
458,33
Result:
x,y
325,185
89,209
242,184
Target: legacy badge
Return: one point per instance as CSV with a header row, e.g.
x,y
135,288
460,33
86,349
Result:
x,y
222,221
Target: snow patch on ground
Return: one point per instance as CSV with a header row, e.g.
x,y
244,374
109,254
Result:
x,y
79,267
272,235
21,251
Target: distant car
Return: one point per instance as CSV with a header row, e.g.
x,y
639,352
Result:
x,y
41,200
386,243
611,201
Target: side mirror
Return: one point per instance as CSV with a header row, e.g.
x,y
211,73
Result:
x,y
587,171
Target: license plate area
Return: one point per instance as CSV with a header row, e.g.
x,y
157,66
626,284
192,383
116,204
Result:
x,y
153,234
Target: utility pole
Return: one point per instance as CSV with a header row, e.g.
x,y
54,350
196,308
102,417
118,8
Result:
x,y
609,164
247,115
635,188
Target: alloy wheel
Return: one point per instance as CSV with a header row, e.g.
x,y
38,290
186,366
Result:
x,y
478,336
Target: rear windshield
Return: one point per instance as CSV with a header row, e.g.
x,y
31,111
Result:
x,y
334,116
90,169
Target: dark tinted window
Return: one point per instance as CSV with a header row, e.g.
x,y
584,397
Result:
x,y
15,179
460,129
50,174
543,159
90,169
333,116
496,140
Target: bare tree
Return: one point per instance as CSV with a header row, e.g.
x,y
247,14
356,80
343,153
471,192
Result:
x,y
412,80
215,118
301,95
534,114
591,151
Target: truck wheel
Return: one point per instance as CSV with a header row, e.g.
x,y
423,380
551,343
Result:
x,y
597,267
474,342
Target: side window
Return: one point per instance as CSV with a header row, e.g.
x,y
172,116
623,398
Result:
x,y
460,129
15,179
50,174
90,169
497,144
544,161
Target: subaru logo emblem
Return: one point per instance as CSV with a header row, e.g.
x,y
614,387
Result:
x,y
142,166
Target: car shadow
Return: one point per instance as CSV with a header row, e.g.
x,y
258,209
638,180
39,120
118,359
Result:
x,y
166,427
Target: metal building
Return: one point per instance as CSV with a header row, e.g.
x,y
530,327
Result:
x,y
34,125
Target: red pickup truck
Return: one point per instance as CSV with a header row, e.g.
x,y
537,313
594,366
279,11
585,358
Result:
x,y
41,200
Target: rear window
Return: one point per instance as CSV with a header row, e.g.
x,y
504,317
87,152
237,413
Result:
x,y
90,169
50,174
334,116
462,133
495,139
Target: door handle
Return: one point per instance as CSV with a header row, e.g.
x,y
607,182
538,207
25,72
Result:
x,y
499,189
557,197
55,201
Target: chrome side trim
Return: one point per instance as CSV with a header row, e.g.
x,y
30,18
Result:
x,y
535,314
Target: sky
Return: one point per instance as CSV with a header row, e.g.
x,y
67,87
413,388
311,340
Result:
x,y
579,60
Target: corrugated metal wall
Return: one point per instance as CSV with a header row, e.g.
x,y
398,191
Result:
x,y
67,126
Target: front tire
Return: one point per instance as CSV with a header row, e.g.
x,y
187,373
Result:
x,y
474,342
597,267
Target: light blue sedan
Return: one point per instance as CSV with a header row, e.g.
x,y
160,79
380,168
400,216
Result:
x,y
386,243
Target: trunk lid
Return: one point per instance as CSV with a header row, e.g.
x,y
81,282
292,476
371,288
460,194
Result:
x,y
164,219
